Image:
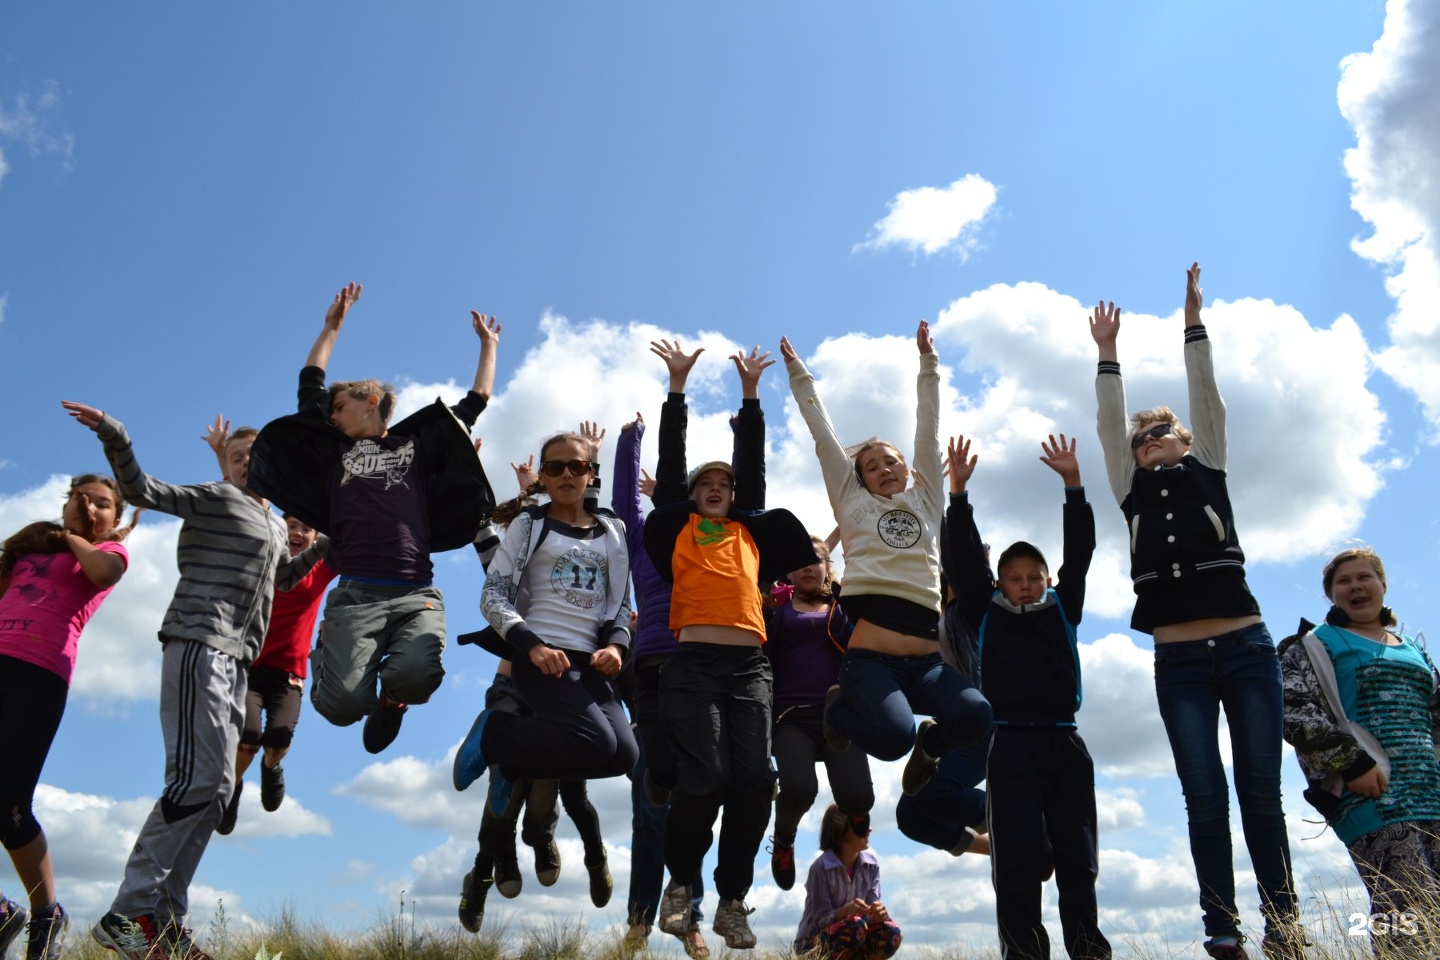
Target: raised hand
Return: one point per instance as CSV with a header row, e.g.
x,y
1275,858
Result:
x,y
631,425
87,416
216,434
1105,323
750,369
647,483
340,306
1062,459
923,340
593,436
959,464
787,352
525,474
677,361
1194,296
485,328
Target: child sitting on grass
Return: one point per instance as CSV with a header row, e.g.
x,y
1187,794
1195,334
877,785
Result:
x,y
844,918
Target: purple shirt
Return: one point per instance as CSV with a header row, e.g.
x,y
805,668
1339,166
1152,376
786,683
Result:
x,y
805,660
379,521
830,886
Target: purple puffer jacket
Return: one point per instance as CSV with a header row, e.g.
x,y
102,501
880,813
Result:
x,y
652,594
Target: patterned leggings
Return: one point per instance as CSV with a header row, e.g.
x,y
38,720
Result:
x,y
855,938
1400,865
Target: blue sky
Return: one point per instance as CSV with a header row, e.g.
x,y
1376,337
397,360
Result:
x,y
183,188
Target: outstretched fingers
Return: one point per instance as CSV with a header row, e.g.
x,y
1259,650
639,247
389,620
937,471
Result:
x,y
340,306
87,416
959,463
486,328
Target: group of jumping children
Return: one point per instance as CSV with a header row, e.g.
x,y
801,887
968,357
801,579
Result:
x,y
742,664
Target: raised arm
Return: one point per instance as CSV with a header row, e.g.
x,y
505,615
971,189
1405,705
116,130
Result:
x,y
1207,410
138,488
1079,526
625,494
835,464
749,452
489,333
594,437
1112,424
674,418
970,576
319,355
291,570
926,465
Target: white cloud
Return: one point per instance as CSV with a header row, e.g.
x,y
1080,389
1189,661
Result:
x,y
932,219
1390,95
26,123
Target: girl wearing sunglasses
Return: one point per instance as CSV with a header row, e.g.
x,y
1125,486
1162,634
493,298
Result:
x,y
1212,649
557,591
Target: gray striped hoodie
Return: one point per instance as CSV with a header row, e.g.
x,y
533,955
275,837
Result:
x,y
232,553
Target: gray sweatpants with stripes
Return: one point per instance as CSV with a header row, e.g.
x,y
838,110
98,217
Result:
x,y
202,708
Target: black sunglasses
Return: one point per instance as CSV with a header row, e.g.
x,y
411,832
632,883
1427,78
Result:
x,y
1157,431
553,468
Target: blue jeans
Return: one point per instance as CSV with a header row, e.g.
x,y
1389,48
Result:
x,y
1193,680
647,854
950,802
880,694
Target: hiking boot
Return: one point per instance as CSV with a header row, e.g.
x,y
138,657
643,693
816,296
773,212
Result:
x,y
601,885
272,787
131,937
469,762
732,921
174,943
547,862
383,725
12,922
226,826
835,739
46,934
921,766
655,794
782,863
507,877
1226,948
472,900
674,916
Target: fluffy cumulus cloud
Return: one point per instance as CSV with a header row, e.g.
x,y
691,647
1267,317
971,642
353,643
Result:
x,y
27,122
1390,95
931,219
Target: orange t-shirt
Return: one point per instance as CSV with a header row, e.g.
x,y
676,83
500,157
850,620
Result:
x,y
716,568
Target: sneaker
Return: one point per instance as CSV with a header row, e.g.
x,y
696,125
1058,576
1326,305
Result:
x,y
469,762
547,862
272,787
657,795
502,795
636,938
921,766
674,917
507,878
1226,948
47,934
383,725
174,943
130,937
472,900
226,826
782,863
601,885
833,737
732,921
12,921
1284,942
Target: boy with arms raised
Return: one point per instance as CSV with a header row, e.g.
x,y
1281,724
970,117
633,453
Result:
x,y
1040,778
388,497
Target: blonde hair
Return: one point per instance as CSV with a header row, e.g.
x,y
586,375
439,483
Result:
x,y
364,389
1146,419
1327,577
865,447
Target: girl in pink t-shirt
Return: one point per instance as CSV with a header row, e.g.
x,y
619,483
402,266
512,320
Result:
x,y
53,576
